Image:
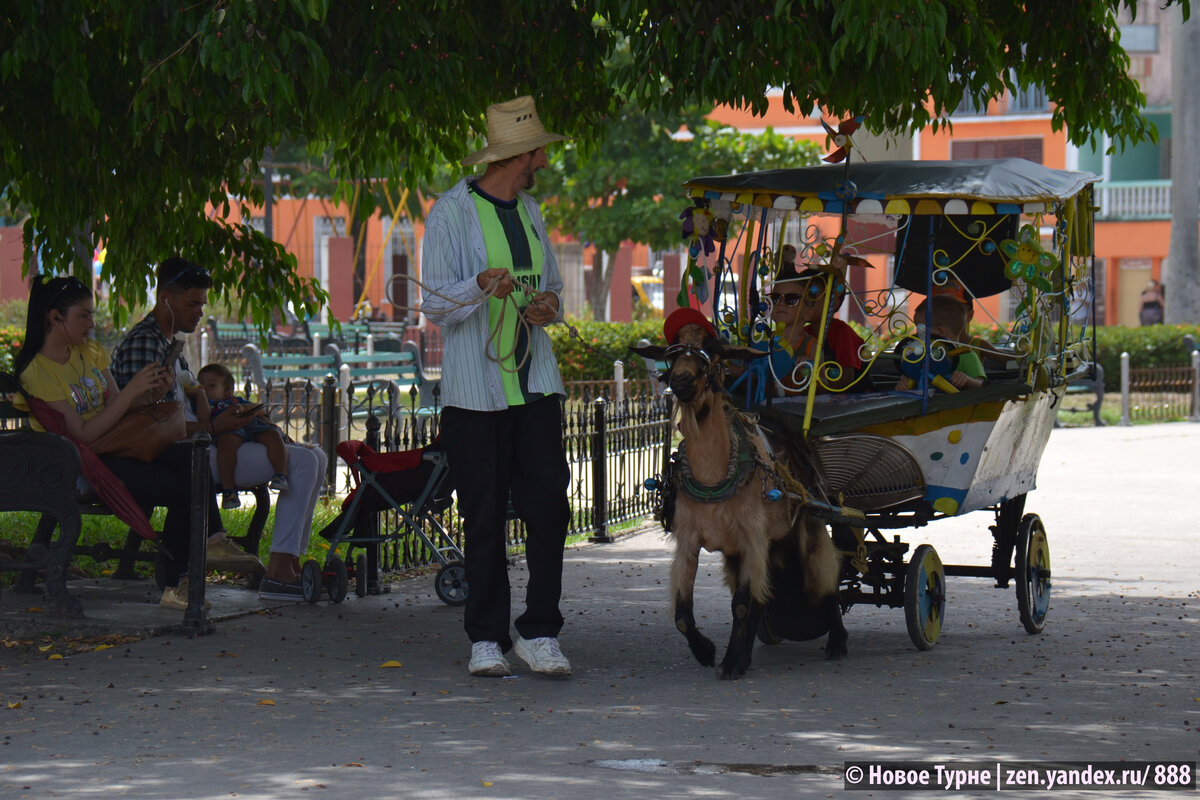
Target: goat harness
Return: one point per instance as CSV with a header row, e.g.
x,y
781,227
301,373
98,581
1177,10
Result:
x,y
742,462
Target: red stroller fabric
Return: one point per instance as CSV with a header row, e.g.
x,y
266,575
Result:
x,y
403,474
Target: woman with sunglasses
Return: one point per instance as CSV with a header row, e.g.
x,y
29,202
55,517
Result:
x,y
63,365
797,301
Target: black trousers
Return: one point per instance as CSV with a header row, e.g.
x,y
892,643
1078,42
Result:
x,y
166,481
493,453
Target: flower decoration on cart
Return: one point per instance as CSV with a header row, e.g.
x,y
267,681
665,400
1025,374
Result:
x,y
1031,263
703,231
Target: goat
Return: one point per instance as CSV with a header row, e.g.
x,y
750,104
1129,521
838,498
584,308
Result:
x,y
716,496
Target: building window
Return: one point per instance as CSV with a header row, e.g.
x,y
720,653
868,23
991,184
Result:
x,y
1030,149
1028,100
1139,38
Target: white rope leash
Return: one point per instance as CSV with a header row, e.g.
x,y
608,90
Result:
x,y
499,326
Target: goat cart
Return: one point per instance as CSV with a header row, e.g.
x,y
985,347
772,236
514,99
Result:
x,y
896,437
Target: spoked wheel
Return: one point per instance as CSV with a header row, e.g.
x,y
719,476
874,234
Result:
x,y
451,583
337,581
924,597
360,575
1033,573
310,581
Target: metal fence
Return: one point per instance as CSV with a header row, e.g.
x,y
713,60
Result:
x,y
614,440
1159,394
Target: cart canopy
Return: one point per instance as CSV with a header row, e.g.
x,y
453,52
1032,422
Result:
x,y
1004,186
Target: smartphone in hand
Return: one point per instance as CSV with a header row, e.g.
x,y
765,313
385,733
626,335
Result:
x,y
173,353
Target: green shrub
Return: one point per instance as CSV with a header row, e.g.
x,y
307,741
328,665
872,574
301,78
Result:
x,y
13,312
602,343
1149,346
11,337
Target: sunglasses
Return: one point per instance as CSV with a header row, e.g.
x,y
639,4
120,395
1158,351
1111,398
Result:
x,y
70,282
785,299
191,274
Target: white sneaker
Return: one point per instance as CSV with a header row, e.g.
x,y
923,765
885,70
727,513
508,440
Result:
x,y
176,597
487,660
543,655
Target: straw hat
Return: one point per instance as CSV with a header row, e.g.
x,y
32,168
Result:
x,y
513,128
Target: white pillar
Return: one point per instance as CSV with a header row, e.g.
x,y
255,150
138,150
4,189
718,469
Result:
x,y
1125,390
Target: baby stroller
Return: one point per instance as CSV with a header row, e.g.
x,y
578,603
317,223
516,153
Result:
x,y
413,483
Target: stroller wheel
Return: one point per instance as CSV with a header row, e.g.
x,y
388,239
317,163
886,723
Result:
x,y
310,581
451,583
337,582
360,575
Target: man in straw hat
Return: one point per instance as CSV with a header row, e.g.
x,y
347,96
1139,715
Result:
x,y
493,286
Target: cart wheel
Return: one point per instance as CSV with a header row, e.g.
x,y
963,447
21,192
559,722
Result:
x,y
1033,573
451,583
924,597
310,581
337,581
360,575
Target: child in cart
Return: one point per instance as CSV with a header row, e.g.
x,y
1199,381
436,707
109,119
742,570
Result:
x,y
948,318
217,397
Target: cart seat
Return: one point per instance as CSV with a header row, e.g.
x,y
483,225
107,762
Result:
x,y
834,413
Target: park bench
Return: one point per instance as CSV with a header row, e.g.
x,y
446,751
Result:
x,y
226,339
280,368
402,367
322,398
351,336
43,474
386,336
1089,383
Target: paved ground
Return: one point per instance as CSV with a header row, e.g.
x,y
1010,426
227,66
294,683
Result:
x,y
299,701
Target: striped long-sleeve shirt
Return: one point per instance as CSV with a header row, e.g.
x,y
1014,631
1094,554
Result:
x,y
453,254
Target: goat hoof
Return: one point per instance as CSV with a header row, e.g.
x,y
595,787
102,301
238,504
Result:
x,y
705,652
836,651
732,671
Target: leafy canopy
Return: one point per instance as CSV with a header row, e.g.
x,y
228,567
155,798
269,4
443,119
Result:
x,y
123,121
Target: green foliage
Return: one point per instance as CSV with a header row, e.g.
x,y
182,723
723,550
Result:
x,y
11,337
97,529
590,355
13,312
121,121
901,65
627,188
124,122
1148,346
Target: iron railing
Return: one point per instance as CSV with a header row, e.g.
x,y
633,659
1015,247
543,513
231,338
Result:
x,y
613,444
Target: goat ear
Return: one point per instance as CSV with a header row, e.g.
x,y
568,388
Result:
x,y
653,351
741,353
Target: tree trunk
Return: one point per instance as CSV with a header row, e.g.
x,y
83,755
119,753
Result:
x,y
1183,269
602,272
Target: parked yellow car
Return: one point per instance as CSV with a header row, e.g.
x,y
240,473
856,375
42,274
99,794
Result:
x,y
648,291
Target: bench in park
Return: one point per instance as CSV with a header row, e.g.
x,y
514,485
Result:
x,y
43,474
1091,383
